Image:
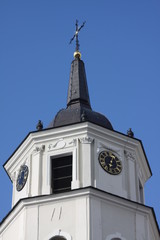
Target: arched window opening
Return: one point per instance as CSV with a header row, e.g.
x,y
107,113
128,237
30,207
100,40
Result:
x,y
116,236
58,238
58,235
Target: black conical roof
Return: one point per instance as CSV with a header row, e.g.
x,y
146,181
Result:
x,y
78,89
78,102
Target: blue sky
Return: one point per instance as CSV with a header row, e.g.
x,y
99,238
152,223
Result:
x,y
120,46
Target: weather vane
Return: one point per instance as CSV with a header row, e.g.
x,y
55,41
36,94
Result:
x,y
75,36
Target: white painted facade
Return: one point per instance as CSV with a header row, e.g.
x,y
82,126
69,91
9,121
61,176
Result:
x,y
102,206
81,214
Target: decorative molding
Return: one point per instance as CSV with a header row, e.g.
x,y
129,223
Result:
x,y
130,156
86,140
60,144
73,142
39,149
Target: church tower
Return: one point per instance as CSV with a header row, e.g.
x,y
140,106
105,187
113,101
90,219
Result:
x,y
79,178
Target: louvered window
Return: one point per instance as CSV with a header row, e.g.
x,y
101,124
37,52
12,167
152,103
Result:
x,y
61,174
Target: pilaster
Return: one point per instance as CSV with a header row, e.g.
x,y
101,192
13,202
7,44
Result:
x,y
86,159
36,173
132,189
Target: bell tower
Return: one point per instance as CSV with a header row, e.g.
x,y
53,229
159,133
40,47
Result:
x,y
79,178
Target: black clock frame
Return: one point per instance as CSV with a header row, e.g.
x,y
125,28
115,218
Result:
x,y
110,162
22,177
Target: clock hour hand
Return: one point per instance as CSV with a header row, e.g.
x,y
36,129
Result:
x,y
110,164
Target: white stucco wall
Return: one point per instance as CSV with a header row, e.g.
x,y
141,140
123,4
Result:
x,y
87,214
85,142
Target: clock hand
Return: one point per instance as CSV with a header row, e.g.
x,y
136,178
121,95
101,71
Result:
x,y
110,164
111,161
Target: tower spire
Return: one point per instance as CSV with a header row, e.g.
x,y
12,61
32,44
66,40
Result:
x,y
78,88
78,102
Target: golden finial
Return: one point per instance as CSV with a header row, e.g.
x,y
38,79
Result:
x,y
77,54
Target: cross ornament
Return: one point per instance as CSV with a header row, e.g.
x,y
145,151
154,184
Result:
x,y
75,36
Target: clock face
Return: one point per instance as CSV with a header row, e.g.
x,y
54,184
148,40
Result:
x,y
22,177
110,163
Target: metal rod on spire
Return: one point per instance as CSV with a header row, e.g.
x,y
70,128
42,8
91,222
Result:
x,y
75,36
